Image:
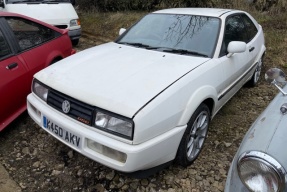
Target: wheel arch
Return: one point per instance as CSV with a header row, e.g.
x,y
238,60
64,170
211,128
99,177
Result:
x,y
54,56
209,102
206,95
55,59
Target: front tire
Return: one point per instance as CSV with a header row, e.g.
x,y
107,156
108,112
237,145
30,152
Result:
x,y
194,136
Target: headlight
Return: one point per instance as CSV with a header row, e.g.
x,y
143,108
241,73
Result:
x,y
75,22
261,172
111,123
40,90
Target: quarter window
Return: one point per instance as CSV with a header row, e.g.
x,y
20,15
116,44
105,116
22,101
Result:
x,y
250,27
30,34
4,47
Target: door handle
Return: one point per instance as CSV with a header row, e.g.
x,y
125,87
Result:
x,y
12,65
251,49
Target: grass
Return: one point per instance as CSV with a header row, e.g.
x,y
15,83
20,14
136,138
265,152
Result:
x,y
108,24
275,30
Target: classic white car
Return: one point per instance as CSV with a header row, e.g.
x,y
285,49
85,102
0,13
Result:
x,y
147,98
260,162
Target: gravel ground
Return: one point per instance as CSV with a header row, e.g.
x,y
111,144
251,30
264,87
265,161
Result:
x,y
38,162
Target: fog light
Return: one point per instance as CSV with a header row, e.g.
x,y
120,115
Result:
x,y
106,151
36,111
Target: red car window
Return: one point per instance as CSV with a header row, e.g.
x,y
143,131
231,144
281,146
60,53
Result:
x,y
4,47
30,34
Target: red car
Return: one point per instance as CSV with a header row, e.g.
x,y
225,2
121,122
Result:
x,y
26,46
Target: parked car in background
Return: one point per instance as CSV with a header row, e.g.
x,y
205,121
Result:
x,y
59,13
260,163
147,98
26,46
73,2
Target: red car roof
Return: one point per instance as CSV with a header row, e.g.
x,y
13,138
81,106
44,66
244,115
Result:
x,y
9,14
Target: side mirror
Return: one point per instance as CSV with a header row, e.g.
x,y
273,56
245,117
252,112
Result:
x,y
276,77
122,30
236,47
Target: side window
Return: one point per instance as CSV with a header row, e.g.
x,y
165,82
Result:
x,y
28,33
250,27
4,46
235,30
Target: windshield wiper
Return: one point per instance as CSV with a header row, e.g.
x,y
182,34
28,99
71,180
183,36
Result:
x,y
141,45
184,52
135,44
26,1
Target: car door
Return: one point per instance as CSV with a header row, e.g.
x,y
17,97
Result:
x,y
35,43
235,68
13,81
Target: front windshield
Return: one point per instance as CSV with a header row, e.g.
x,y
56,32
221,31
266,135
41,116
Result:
x,y
36,1
180,32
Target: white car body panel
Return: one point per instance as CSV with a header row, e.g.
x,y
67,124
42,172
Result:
x,y
56,14
214,12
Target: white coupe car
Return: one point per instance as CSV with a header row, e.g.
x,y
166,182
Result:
x,y
147,98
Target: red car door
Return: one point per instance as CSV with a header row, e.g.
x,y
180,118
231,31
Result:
x,y
14,84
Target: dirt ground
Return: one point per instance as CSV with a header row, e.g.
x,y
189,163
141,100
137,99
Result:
x,y
38,162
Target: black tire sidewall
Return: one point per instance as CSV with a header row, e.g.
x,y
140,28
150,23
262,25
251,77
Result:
x,y
181,156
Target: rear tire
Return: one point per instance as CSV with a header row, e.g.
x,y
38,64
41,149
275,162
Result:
x,y
194,136
255,77
75,42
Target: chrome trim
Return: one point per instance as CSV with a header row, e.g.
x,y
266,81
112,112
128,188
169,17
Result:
x,y
268,161
283,109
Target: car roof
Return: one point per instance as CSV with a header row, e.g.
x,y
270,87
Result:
x,y
10,14
212,12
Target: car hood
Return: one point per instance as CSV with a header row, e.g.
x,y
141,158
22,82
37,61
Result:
x,y
54,14
118,78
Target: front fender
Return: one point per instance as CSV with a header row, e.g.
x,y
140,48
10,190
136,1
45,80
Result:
x,y
199,96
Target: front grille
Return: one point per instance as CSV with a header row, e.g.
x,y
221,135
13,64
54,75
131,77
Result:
x,y
61,26
78,110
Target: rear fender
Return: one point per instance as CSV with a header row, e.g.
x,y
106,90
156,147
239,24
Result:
x,y
262,48
52,56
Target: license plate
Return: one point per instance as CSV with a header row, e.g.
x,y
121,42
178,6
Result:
x,y
62,133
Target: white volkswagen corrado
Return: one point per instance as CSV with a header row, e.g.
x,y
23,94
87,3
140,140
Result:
x,y
147,98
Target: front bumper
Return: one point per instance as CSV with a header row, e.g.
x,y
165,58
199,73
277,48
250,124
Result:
x,y
75,33
149,154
